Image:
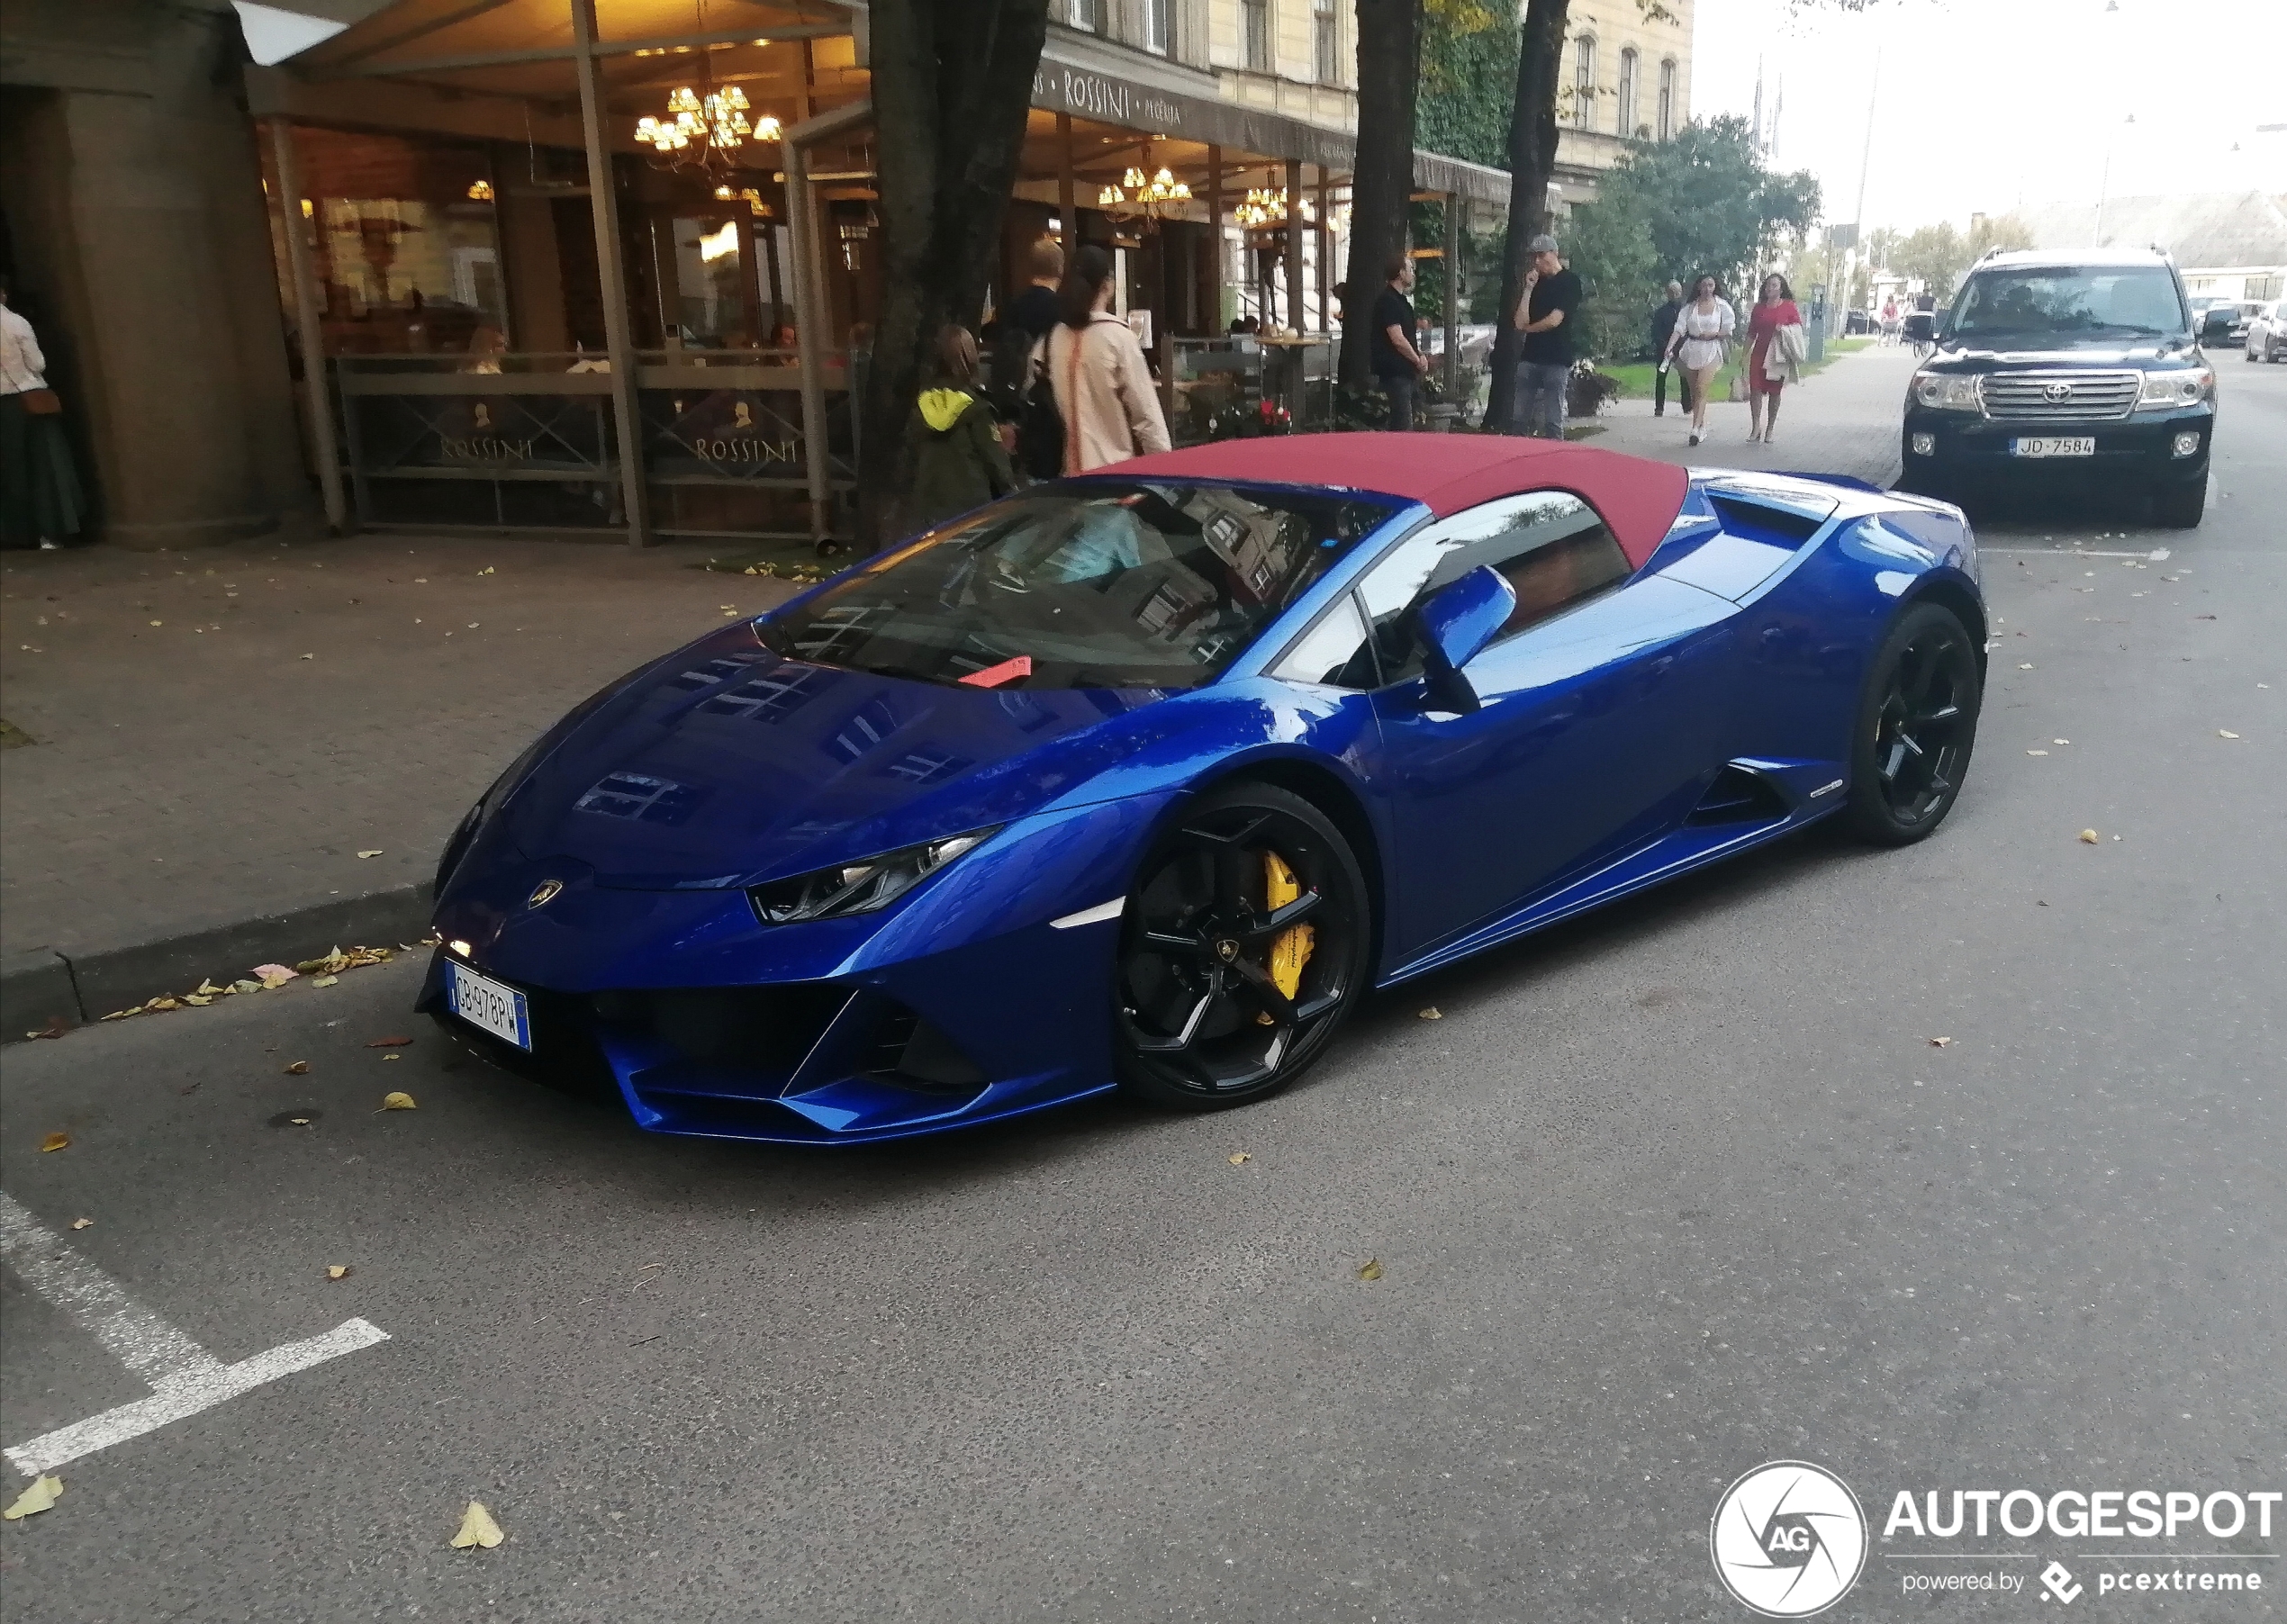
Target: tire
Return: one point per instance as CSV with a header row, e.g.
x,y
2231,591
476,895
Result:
x,y
1916,724
1197,975
2180,507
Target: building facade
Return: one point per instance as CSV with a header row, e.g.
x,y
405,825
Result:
x,y
1627,78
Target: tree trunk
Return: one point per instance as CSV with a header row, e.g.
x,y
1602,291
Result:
x,y
953,82
1533,159
1389,64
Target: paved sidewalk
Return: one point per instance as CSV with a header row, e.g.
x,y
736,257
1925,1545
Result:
x,y
1843,419
219,733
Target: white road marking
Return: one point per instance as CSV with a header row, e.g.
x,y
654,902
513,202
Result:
x,y
1094,916
183,1376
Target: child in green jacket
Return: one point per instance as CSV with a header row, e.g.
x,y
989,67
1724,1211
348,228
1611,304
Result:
x,y
959,460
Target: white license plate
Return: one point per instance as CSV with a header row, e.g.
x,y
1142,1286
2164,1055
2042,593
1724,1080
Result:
x,y
2054,444
483,1002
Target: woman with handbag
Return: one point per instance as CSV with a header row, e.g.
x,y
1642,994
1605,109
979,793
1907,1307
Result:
x,y
1095,368
1701,339
1775,349
40,503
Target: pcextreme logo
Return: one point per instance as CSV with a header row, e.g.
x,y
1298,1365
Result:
x,y
1789,1539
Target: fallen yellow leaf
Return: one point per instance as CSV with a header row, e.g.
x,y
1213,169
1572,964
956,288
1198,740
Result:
x,y
393,1057
336,1271
2225,733
477,1528
375,853
2088,837
82,1223
1372,1271
327,981
1238,1156
39,1497
196,1000
1432,1014
297,1068
398,1102
55,1142
1939,1042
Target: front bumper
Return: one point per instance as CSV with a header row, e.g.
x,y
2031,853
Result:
x,y
962,1004
2139,449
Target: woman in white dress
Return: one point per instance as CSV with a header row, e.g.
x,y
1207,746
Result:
x,y
1701,339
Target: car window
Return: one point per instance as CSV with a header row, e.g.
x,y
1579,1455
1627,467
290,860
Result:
x,y
1551,546
1102,583
2040,300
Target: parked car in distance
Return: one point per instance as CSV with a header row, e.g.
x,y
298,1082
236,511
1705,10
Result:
x,y
2223,320
2267,331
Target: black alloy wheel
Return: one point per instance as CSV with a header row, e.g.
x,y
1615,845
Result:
x,y
1243,944
1917,723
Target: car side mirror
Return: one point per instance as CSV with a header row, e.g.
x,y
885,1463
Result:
x,y
1456,624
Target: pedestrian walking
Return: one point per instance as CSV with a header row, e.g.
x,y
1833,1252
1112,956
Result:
x,y
1545,316
1096,369
959,462
1663,328
1400,366
1024,321
1775,349
41,504
1701,340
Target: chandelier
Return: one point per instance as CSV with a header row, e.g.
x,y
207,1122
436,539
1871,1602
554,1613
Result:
x,y
700,131
1150,199
1261,207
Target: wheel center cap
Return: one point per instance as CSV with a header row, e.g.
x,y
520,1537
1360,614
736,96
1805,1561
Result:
x,y
1226,950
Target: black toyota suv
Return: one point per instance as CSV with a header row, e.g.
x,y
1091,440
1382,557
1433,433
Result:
x,y
2066,369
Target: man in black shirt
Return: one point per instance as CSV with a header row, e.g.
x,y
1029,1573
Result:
x,y
1663,328
1398,366
1544,315
1024,322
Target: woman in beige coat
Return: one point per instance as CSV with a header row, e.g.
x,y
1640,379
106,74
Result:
x,y
1096,372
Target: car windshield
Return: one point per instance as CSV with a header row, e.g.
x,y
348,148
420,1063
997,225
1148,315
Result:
x,y
1107,585
2064,301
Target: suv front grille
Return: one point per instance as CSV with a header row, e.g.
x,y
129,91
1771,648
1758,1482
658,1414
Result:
x,y
2030,396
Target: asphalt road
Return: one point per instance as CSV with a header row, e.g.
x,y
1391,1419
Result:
x,y
1664,1194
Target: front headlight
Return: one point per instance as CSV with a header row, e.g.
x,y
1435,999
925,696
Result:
x,y
858,887
1947,391
2185,388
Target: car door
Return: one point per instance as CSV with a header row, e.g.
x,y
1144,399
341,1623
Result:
x,y
1602,705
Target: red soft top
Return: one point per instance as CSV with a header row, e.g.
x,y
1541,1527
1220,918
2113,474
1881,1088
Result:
x,y
1445,472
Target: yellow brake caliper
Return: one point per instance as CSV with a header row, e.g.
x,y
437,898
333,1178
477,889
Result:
x,y
1292,950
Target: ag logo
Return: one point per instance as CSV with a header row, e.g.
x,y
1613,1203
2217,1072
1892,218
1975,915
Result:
x,y
1789,1539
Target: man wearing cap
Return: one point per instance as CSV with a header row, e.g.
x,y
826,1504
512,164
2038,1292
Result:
x,y
1545,316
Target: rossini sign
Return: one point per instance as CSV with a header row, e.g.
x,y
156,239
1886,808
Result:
x,y
1115,100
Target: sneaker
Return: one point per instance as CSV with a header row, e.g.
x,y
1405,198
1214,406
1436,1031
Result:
x,y
1694,437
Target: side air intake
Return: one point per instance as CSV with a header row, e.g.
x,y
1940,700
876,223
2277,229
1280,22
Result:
x,y
1738,797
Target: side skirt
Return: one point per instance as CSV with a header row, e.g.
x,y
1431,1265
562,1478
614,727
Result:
x,y
1669,857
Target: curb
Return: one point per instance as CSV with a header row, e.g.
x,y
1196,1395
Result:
x,y
42,984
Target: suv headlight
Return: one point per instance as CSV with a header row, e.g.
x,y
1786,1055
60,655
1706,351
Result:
x,y
859,888
2186,388
1948,392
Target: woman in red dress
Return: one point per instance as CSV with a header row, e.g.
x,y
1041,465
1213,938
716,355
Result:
x,y
1774,309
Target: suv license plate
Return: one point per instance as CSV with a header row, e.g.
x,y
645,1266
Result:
x,y
2068,444
485,1003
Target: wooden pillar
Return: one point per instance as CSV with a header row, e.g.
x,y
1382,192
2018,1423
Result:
x,y
308,319
1325,257
1066,212
611,277
1214,323
1453,206
1297,314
